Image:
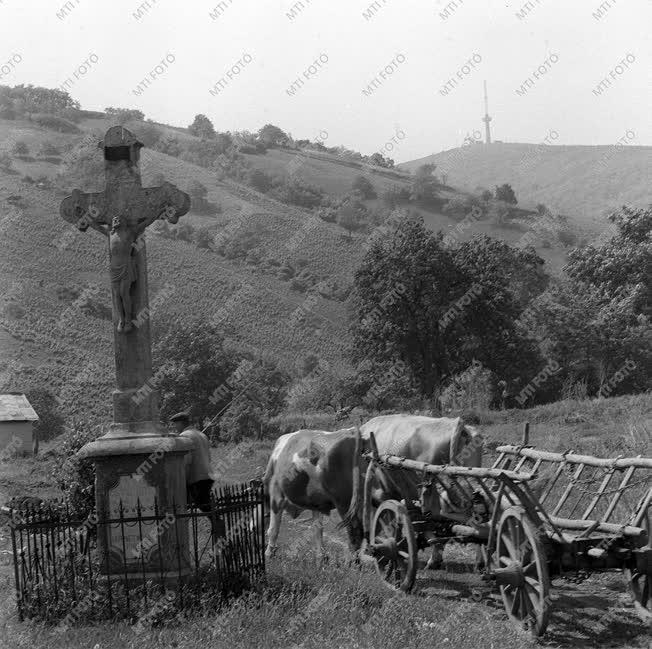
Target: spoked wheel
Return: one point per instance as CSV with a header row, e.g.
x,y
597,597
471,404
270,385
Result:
x,y
393,546
522,571
640,582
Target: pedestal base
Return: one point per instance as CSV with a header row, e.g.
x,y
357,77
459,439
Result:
x,y
140,487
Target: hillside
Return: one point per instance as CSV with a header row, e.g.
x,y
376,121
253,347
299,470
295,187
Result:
x,y
47,265
50,271
584,182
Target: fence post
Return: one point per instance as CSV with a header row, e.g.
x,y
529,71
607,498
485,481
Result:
x,y
19,599
526,434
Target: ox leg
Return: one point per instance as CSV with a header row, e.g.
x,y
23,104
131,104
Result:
x,y
318,524
480,562
436,557
275,516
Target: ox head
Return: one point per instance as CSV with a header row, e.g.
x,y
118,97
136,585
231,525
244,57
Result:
x,y
466,445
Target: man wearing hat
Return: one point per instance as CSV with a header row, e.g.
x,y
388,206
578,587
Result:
x,y
198,462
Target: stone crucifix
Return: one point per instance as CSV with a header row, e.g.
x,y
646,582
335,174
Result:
x,y
121,213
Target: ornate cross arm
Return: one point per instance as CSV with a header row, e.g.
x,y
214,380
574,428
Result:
x,y
84,211
164,202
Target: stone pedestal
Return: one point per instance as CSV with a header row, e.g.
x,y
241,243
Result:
x,y
146,471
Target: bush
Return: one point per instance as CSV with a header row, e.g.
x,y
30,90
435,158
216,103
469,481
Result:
x,y
506,193
295,192
5,161
240,244
123,115
567,238
48,148
259,180
169,145
50,422
20,148
472,389
75,477
148,134
184,232
206,153
364,186
203,238
82,167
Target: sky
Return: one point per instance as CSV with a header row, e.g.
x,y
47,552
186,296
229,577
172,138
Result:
x,y
373,76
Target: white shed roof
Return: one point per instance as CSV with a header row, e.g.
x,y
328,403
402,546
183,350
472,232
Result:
x,y
15,407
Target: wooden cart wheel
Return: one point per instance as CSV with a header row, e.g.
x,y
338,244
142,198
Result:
x,y
640,583
521,571
393,545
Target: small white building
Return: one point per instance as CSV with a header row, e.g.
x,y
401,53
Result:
x,y
17,419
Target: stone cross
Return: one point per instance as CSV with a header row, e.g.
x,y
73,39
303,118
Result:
x,y
121,213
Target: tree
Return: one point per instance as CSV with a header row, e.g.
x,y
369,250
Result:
x,y
424,185
503,281
197,191
363,185
35,99
486,195
259,389
402,289
506,194
202,127
192,370
123,115
541,209
379,160
598,317
425,311
50,421
272,135
350,216
20,148
621,263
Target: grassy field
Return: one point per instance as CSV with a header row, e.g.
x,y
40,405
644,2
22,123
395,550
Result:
x,y
309,605
584,182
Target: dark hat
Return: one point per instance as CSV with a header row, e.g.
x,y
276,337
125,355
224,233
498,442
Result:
x,y
181,416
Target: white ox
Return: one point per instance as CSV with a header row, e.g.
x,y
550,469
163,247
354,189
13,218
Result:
x,y
432,440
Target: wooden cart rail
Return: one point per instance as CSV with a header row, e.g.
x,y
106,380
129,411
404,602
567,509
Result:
x,y
450,470
581,492
588,460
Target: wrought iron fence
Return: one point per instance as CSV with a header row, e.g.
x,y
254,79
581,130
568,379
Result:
x,y
62,574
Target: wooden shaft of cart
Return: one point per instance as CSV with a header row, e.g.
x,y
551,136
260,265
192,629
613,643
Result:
x,y
450,470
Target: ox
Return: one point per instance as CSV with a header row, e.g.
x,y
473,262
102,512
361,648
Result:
x,y
321,471
425,439
312,469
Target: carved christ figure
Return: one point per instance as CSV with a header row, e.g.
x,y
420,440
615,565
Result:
x,y
123,232
122,268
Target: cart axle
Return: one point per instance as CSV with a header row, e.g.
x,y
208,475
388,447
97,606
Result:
x,y
511,575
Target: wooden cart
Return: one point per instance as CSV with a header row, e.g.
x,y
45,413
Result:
x,y
535,515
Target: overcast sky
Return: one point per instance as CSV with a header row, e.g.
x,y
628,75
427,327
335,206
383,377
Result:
x,y
250,53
